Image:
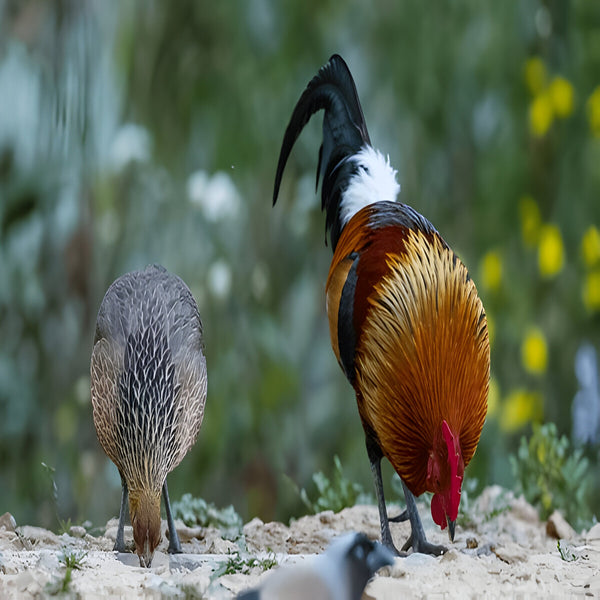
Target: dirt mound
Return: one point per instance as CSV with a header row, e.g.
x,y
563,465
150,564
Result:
x,y
503,549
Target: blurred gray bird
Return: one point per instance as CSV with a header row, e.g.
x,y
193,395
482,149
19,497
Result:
x,y
340,573
148,384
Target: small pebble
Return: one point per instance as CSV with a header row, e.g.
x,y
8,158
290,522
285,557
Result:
x,y
221,546
326,516
111,532
472,543
511,553
558,528
449,556
77,531
38,535
417,559
187,534
593,535
7,522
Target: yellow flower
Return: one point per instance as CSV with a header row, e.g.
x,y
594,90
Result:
x,y
541,114
590,246
551,256
534,351
531,220
535,74
591,291
562,95
593,107
493,397
520,408
491,270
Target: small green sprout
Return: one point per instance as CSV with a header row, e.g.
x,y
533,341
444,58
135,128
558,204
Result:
x,y
567,552
72,559
63,526
235,563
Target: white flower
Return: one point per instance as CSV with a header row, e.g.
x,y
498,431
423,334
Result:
x,y
216,196
131,144
219,279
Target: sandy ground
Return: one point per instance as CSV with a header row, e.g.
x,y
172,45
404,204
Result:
x,y
505,551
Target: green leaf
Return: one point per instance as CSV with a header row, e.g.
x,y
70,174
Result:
x,y
552,476
196,512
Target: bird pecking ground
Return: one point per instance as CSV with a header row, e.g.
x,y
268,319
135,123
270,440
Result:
x,y
501,549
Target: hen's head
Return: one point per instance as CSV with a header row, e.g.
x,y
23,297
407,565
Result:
x,y
144,509
445,471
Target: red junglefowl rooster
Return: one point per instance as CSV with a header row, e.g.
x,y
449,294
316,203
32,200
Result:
x,y
406,323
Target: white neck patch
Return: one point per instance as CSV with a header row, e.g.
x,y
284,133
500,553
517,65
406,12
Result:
x,y
374,182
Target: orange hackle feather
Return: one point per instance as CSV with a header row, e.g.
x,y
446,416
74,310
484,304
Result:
x,y
423,352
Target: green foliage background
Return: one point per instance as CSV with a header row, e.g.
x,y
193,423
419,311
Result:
x,y
108,109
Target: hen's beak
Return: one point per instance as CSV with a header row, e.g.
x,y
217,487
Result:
x,y
146,555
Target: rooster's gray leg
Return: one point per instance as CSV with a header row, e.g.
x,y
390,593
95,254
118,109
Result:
x,y
375,456
417,540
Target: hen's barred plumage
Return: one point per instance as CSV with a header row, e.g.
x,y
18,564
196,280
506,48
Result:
x,y
406,323
148,383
